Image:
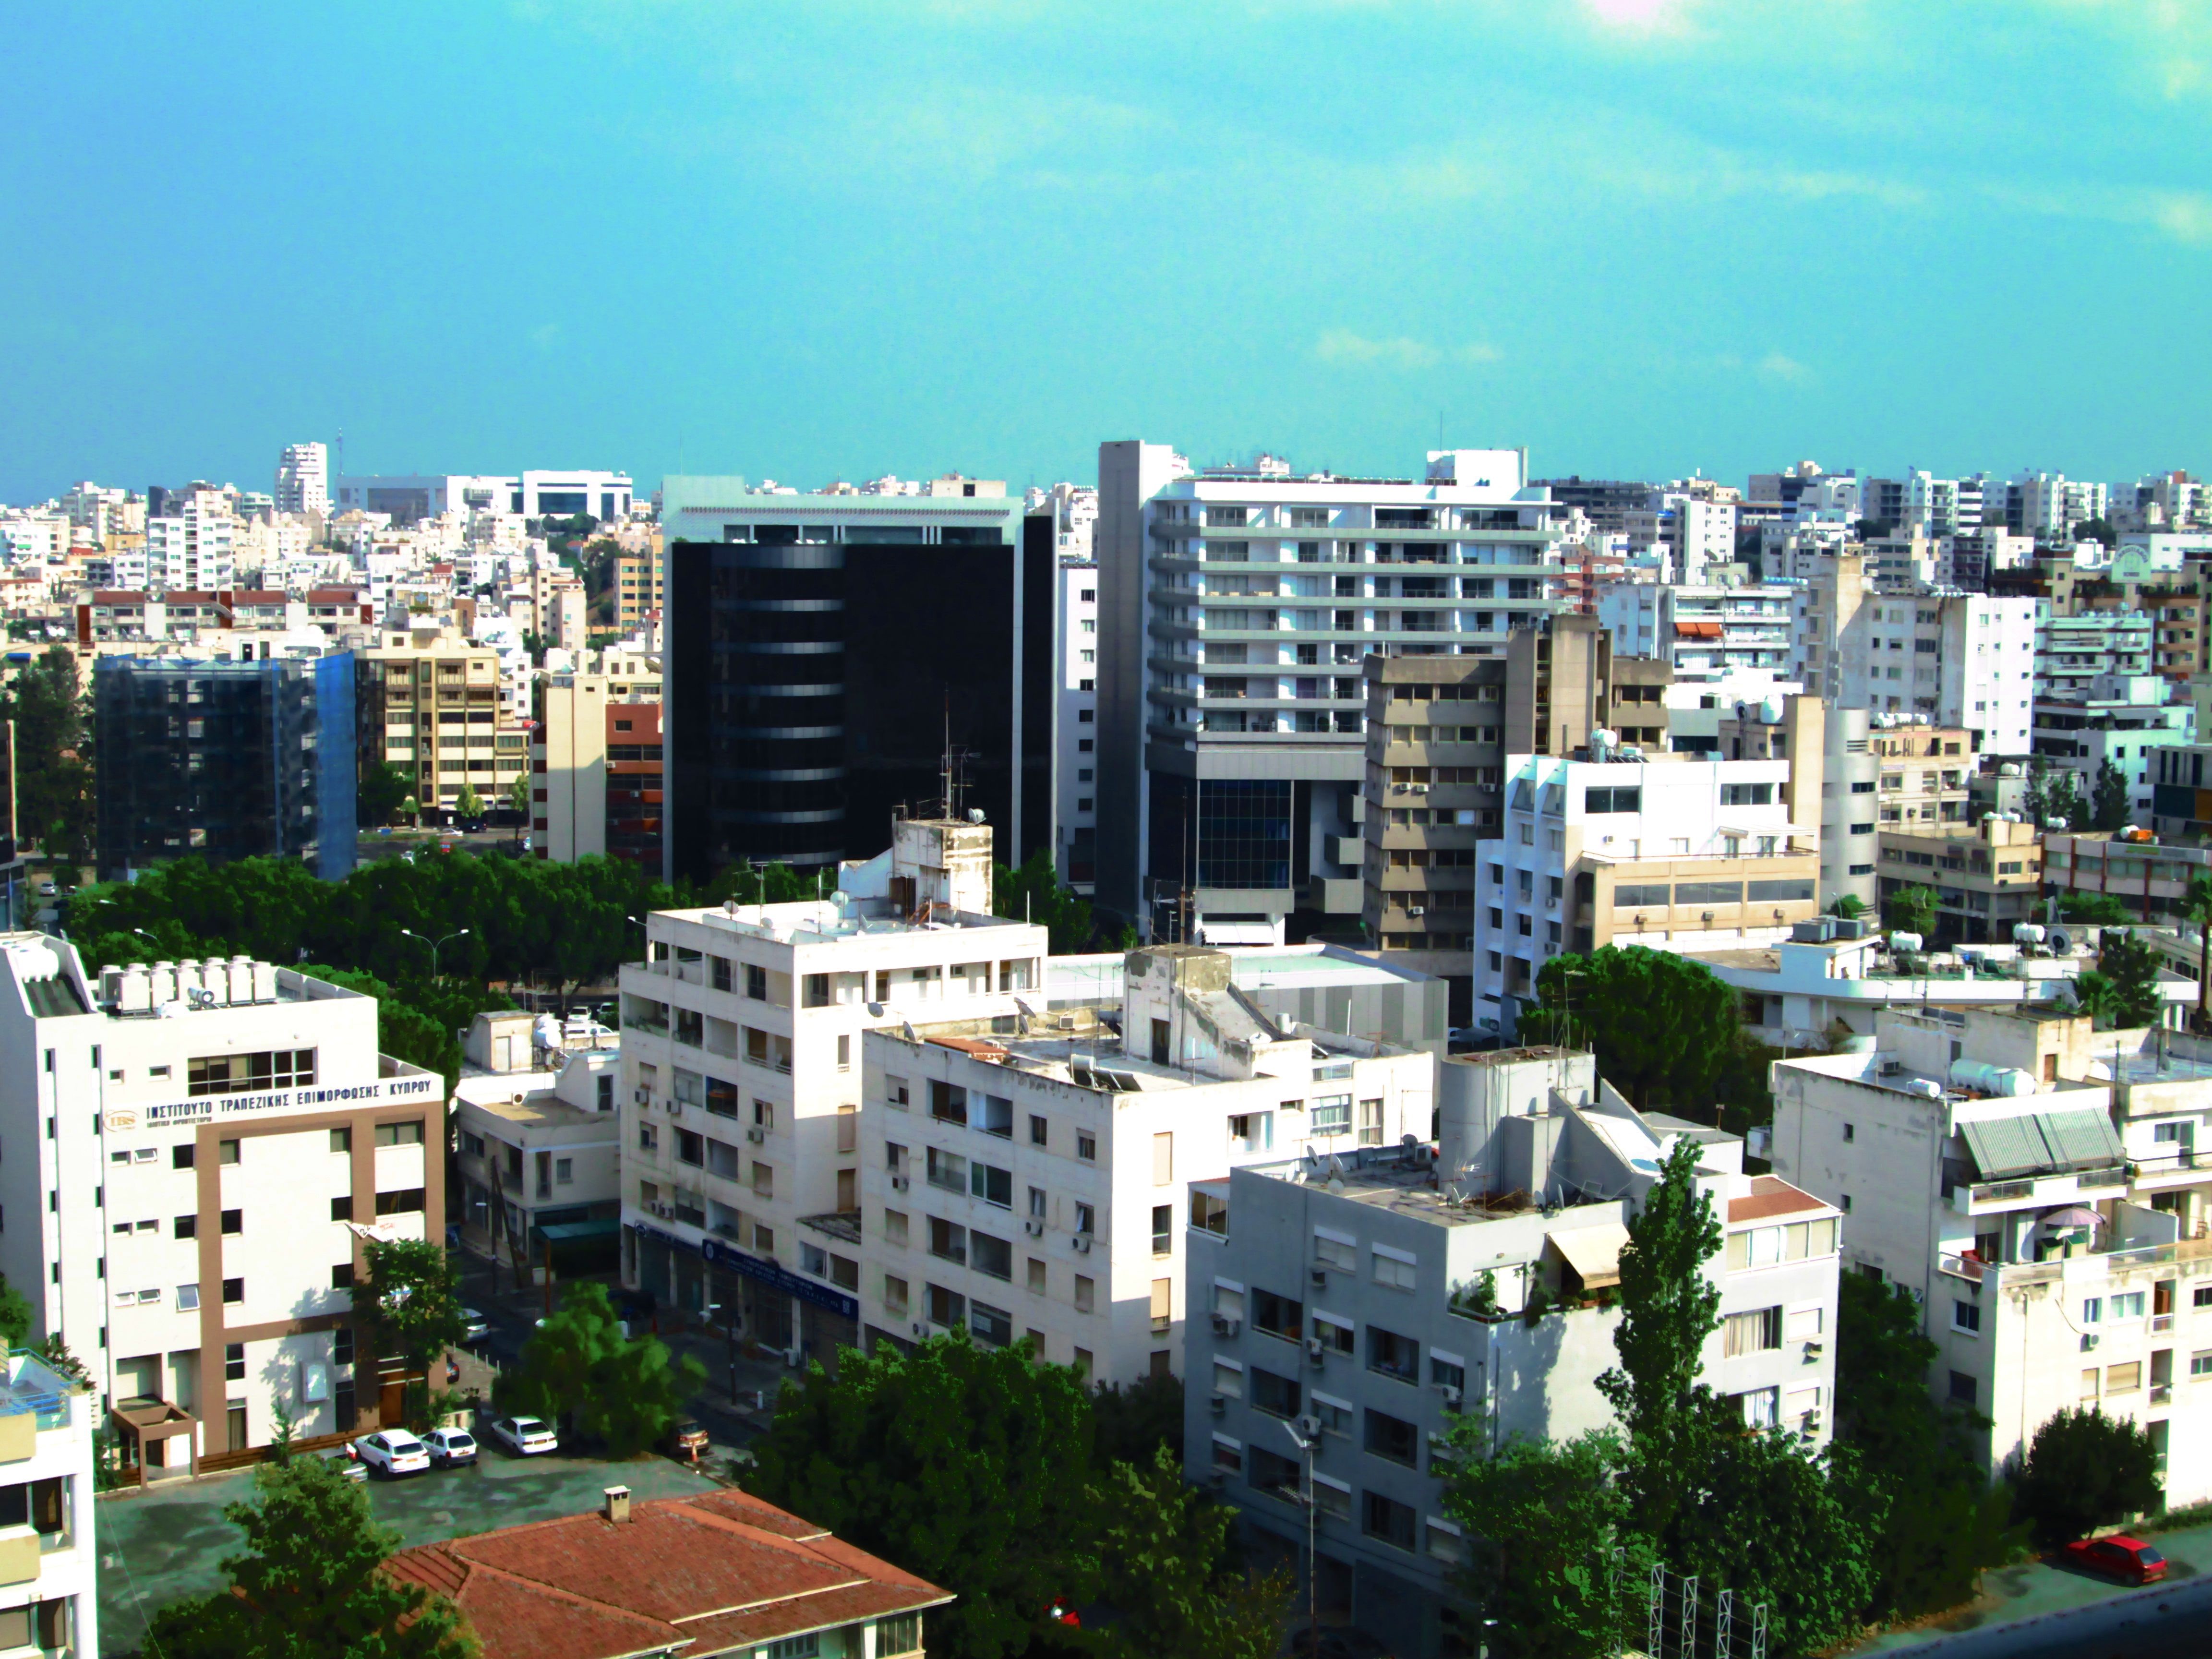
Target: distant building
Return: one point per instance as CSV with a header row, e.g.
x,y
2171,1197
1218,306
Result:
x,y
1705,632
303,479
597,772
49,1603
436,706
1075,738
407,498
639,595
225,760
535,1139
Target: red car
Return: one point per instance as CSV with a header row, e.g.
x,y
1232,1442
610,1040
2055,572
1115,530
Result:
x,y
2128,1560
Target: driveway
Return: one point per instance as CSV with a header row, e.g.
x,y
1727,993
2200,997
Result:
x,y
170,1542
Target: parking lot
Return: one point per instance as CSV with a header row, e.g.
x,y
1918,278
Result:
x,y
171,1541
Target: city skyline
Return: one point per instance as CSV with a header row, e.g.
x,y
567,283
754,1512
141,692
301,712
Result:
x,y
1639,238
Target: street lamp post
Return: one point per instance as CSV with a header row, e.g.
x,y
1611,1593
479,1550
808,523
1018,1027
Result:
x,y
1305,1444
435,943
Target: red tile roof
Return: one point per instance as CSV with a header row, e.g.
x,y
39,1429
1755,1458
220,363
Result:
x,y
1770,1195
721,1570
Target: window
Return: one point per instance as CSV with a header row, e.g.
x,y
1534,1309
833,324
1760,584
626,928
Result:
x,y
1966,1316
1274,1474
895,1294
1336,1253
226,1151
1756,1332
900,1633
233,1221
1038,1132
342,1140
234,1355
1391,1268
2124,1379
1163,1229
1277,1315
241,1074
947,1308
1086,1291
2093,1310
2128,1306
181,1158
1762,1408
341,1276
187,1226
1278,1396
1162,1158
233,1289
1333,1337
407,1200
1387,1519
1086,1147
992,1256
948,1171
409,1133
1393,1355
992,1184
1965,1389
188,1298
1331,1115
2200,1365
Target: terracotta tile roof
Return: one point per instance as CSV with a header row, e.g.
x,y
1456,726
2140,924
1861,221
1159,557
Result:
x,y
727,1570
981,1047
1770,1195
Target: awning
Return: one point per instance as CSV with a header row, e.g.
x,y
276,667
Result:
x,y
570,1233
1593,1253
1697,630
2043,1143
2074,1215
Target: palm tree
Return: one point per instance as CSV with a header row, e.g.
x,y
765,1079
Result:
x,y
2197,907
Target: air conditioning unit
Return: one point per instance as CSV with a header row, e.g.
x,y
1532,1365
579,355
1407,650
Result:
x,y
644,1096
756,1134
1033,1227
1321,1279
1083,1243
899,1184
920,1329
1416,910
1218,1404
1315,1351
1309,1427
1452,1396
676,1108
1417,788
1812,1351
1225,1324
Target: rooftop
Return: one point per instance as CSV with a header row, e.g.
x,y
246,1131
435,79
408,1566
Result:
x,y
727,1571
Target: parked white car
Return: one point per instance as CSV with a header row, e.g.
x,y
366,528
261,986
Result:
x,y
524,1435
394,1451
449,1447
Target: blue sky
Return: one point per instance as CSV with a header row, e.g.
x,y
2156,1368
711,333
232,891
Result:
x,y
840,237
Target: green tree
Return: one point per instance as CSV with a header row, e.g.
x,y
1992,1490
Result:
x,y
1783,1527
383,788
1913,911
1945,1523
1131,1422
1549,1516
1848,904
518,796
409,1303
960,1462
1033,893
14,1316
2096,529
579,1369
2108,798
53,774
2052,793
1167,1570
2093,909
1662,1025
2084,1470
469,803
2197,909
2131,968
309,1582
1667,1310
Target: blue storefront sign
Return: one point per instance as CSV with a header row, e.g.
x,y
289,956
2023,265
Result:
x,y
715,1253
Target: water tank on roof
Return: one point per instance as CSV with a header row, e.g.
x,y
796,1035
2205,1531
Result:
x,y
1905,942
1769,710
2010,770
1989,1079
1926,1087
2027,932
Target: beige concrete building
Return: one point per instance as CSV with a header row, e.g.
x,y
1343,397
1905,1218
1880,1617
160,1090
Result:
x,y
430,705
639,594
585,721
1438,731
1988,879
1925,772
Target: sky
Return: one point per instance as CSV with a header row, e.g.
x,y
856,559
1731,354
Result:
x,y
838,238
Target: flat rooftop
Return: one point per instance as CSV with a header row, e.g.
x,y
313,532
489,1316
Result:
x,y
1251,968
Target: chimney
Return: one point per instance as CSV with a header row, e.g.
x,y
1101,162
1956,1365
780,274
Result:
x,y
617,1509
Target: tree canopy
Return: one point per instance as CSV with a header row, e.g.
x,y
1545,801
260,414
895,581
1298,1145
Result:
x,y
2084,1470
1164,1549
2121,991
54,769
1913,911
2109,807
408,1302
1033,893
2052,792
307,1583
1662,1026
578,1368
383,788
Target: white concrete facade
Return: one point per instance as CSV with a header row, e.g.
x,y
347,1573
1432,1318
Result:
x,y
205,1134
49,1599
1075,746
303,479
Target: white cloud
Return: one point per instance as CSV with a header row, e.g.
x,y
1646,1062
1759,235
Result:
x,y
1646,15
1478,353
1776,367
1341,345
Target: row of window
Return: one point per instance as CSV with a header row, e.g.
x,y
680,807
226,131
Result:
x,y
1381,1517
184,1154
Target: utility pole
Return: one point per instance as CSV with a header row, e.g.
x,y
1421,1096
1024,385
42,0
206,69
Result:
x,y
1305,1444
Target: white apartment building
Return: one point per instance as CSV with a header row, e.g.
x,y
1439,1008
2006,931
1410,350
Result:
x,y
49,1594
1075,746
303,479
1964,660
2036,1186
1237,605
204,1148
105,510
1705,633
530,494
192,548
2071,652
1369,1302
35,536
1850,775
2048,505
2124,719
536,1136
744,1075
1033,1183
1630,849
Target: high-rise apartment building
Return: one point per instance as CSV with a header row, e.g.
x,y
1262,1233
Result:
x,y
1075,743
192,547
411,497
204,1148
1439,730
303,479
828,656
1705,633
435,705
597,769
640,597
1238,605
225,760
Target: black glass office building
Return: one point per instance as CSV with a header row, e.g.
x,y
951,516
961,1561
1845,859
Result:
x,y
223,760
823,652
